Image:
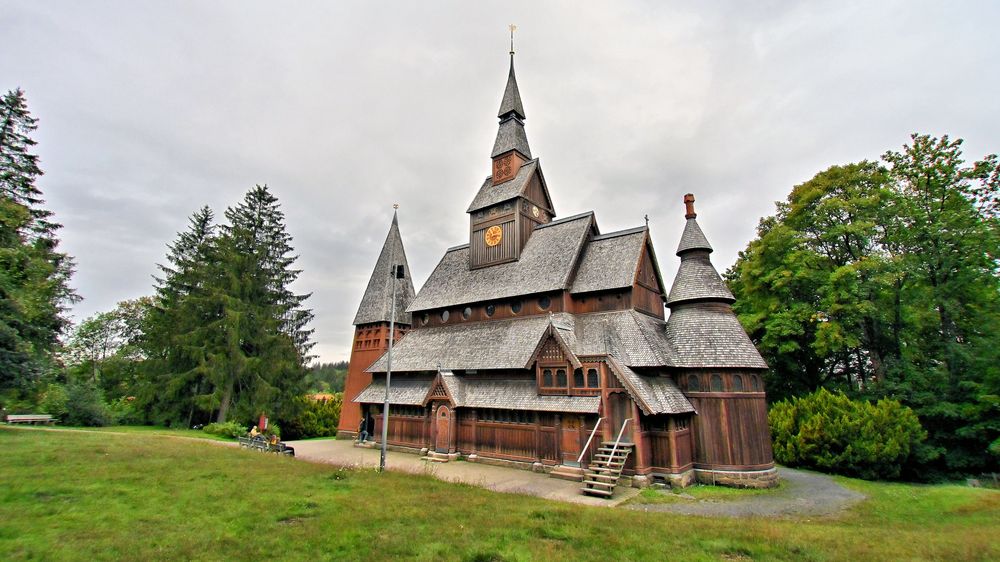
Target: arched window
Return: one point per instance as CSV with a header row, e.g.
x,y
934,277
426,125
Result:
x,y
754,383
593,380
737,383
716,383
547,377
578,378
561,377
693,383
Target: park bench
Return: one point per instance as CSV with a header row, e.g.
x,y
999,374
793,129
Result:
x,y
263,445
33,419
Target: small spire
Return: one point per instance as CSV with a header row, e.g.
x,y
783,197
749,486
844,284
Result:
x,y
689,204
395,218
646,216
513,28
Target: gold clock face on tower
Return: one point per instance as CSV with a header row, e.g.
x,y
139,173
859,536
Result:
x,y
493,236
534,211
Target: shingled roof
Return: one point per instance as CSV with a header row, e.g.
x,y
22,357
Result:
x,y
512,395
655,395
709,335
546,264
511,136
636,339
402,392
693,238
376,304
500,344
610,261
511,102
489,194
697,279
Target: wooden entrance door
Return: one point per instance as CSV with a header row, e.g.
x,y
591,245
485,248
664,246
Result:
x,y
570,443
621,409
443,422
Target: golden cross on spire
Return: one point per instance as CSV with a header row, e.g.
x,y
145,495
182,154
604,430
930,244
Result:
x,y
513,28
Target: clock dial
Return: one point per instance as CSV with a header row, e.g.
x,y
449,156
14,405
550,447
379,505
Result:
x,y
493,236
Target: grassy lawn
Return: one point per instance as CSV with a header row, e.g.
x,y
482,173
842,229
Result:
x,y
150,430
86,495
698,492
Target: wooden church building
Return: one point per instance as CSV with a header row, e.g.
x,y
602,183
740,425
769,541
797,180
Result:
x,y
545,342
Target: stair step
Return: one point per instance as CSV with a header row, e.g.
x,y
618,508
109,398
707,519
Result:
x,y
598,468
595,492
593,475
610,444
610,485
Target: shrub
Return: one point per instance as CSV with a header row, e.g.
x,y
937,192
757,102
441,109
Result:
x,y
53,401
85,405
832,433
228,429
316,418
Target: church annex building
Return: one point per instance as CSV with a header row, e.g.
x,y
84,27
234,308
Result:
x,y
545,343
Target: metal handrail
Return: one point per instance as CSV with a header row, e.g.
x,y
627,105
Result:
x,y
589,440
619,440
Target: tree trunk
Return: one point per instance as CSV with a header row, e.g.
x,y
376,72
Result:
x,y
227,396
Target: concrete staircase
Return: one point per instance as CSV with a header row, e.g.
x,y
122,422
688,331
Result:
x,y
604,472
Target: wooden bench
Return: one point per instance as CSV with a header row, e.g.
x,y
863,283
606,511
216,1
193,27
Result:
x,y
261,444
33,419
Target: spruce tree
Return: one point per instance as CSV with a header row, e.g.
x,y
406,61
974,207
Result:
x,y
261,365
34,276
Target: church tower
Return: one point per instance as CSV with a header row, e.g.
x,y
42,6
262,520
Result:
x,y
371,323
514,200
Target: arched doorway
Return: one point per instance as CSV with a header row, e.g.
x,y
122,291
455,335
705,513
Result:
x,y
443,421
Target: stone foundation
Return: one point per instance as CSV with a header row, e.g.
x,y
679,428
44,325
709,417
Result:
x,y
738,478
679,480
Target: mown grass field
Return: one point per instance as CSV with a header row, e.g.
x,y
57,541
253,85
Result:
x,y
106,496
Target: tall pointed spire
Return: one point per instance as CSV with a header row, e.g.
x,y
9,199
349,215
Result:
x,y
376,304
697,279
511,135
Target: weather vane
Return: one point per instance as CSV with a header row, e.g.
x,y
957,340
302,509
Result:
x,y
513,28
395,205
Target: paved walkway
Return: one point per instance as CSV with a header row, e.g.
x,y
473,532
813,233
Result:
x,y
802,494
496,478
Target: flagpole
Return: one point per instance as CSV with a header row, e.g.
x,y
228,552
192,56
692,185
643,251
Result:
x,y
388,369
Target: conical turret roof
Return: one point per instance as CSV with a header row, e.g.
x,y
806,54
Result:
x,y
511,135
376,304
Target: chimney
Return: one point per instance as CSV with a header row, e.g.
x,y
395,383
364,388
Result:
x,y
689,203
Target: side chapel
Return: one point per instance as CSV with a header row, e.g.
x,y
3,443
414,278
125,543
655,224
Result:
x,y
543,341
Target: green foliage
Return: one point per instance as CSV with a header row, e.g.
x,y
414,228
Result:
x,y
832,433
85,405
326,377
881,279
54,401
227,429
34,276
316,418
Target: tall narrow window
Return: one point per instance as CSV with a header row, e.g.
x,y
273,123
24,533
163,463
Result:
x,y
593,380
578,378
547,377
693,384
737,383
561,378
716,383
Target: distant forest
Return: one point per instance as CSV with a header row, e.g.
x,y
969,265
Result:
x,y
326,377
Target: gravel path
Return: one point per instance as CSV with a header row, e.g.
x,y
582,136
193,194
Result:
x,y
801,494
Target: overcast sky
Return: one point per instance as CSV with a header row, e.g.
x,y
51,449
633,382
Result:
x,y
149,110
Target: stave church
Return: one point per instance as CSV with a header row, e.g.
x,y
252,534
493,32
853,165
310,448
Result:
x,y
544,343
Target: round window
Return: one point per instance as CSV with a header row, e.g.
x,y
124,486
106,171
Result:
x,y
467,313
444,315
515,307
544,303
425,319
490,309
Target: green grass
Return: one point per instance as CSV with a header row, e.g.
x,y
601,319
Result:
x,y
104,496
698,492
151,430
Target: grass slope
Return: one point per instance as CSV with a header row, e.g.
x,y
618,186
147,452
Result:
x,y
102,496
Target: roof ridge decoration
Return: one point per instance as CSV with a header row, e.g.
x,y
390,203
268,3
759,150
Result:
x,y
376,303
437,383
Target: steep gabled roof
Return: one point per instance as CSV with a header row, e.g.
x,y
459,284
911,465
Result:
x,y
376,304
610,261
511,136
489,194
637,340
654,394
546,264
403,391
